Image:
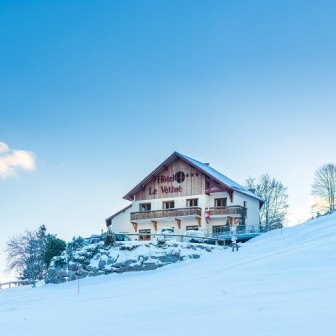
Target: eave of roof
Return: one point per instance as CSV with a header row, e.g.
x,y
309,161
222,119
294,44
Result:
x,y
109,219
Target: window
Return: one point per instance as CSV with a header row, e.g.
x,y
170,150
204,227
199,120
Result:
x,y
220,202
192,227
193,202
217,230
244,204
179,177
168,205
145,207
144,234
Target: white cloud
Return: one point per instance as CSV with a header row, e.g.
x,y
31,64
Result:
x,y
3,147
12,160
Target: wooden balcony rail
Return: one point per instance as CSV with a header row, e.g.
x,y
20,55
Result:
x,y
165,213
228,210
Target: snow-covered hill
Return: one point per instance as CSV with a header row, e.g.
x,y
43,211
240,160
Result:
x,y
277,284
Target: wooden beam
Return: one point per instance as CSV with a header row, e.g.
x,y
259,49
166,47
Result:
x,y
178,221
155,225
135,225
215,187
236,220
231,195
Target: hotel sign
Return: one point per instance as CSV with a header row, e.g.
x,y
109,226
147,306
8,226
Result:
x,y
178,177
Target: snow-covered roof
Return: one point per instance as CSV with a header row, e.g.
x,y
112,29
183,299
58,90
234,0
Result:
x,y
109,220
208,170
205,168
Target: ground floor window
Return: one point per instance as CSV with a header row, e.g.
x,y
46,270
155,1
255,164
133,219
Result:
x,y
216,230
144,234
192,227
220,229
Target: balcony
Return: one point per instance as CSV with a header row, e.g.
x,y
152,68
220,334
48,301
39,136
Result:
x,y
166,213
228,211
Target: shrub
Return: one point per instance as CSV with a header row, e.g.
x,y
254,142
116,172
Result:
x,y
54,247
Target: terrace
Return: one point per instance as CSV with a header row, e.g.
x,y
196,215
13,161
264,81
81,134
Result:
x,y
235,211
166,213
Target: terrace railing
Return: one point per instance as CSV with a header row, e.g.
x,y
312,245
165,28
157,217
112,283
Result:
x,y
228,210
166,213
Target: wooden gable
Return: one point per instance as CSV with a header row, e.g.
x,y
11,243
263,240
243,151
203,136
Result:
x,y
177,176
175,179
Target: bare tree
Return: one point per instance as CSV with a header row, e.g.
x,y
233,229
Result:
x,y
24,255
324,187
275,196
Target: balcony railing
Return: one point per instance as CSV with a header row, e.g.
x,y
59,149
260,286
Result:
x,y
166,213
228,210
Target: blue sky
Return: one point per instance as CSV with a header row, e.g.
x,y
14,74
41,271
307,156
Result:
x,y
103,91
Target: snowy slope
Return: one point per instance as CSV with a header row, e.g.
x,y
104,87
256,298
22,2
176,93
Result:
x,y
277,284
